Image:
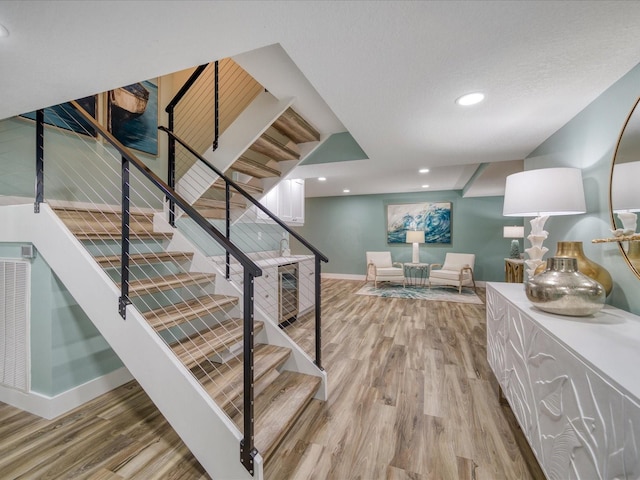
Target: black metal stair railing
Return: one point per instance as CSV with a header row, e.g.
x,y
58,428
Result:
x,y
251,270
318,256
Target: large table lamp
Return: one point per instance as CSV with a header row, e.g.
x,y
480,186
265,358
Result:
x,y
514,232
416,237
543,193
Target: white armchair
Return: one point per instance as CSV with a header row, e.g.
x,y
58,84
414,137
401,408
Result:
x,y
457,271
380,268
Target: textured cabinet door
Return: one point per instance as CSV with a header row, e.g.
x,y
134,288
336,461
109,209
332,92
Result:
x,y
580,424
496,334
631,453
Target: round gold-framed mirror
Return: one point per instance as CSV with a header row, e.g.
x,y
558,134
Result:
x,y
624,192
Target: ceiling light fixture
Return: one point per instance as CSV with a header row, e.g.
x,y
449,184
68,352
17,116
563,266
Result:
x,y
346,190
425,186
470,99
423,170
3,31
322,179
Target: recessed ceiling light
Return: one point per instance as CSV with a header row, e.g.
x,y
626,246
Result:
x,y
423,170
346,190
322,179
425,186
3,31
470,99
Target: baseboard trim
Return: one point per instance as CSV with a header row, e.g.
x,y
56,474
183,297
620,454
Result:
x,y
361,278
52,407
343,276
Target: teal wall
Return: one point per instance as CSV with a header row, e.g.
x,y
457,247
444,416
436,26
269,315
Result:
x,y
588,142
68,163
344,228
67,350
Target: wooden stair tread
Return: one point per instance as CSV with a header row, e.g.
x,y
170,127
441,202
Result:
x,y
94,224
176,314
251,189
226,383
194,349
254,169
278,407
145,258
295,127
273,149
80,235
159,284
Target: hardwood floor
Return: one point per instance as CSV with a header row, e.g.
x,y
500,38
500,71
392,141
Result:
x,y
411,397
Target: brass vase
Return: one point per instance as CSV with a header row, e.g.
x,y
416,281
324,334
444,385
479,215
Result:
x,y
633,254
586,266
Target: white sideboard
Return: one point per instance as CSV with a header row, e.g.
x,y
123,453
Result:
x,y
573,384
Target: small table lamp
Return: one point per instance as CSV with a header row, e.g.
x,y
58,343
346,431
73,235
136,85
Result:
x,y
415,237
515,232
542,193
625,195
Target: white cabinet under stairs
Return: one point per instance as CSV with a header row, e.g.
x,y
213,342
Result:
x,y
173,333
286,201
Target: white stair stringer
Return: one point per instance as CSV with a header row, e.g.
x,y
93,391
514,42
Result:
x,y
246,129
271,334
210,435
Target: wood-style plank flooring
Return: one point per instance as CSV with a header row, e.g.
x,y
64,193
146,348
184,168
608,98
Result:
x,y
411,397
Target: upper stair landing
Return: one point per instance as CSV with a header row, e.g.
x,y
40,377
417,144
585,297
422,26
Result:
x,y
240,135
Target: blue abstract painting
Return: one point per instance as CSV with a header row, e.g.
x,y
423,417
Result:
x,y
434,218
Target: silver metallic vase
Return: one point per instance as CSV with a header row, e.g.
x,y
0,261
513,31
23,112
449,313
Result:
x,y
562,289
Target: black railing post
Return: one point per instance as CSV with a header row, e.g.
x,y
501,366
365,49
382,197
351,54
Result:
x,y
216,111
39,160
171,166
124,272
227,216
318,314
247,448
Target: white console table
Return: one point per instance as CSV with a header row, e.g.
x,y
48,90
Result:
x,y
573,384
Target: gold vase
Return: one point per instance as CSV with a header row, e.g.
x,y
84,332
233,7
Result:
x,y
585,265
633,254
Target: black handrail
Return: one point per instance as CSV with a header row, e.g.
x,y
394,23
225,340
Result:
x,y
244,193
185,88
171,163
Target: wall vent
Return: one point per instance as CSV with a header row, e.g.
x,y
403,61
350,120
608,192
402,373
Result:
x,y
14,324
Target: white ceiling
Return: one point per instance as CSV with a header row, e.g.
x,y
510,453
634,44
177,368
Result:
x,y
389,70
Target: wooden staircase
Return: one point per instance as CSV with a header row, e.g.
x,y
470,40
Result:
x,y
200,326
262,160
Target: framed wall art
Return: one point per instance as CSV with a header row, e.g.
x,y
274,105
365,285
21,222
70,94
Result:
x,y
132,115
66,117
434,218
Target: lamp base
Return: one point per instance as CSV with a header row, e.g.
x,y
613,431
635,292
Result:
x,y
515,249
416,253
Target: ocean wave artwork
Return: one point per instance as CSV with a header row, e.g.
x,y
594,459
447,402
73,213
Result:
x,y
434,218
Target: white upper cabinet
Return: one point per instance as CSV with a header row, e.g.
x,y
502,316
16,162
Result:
x,y
286,200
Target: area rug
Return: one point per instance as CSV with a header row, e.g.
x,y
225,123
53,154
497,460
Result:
x,y
420,293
